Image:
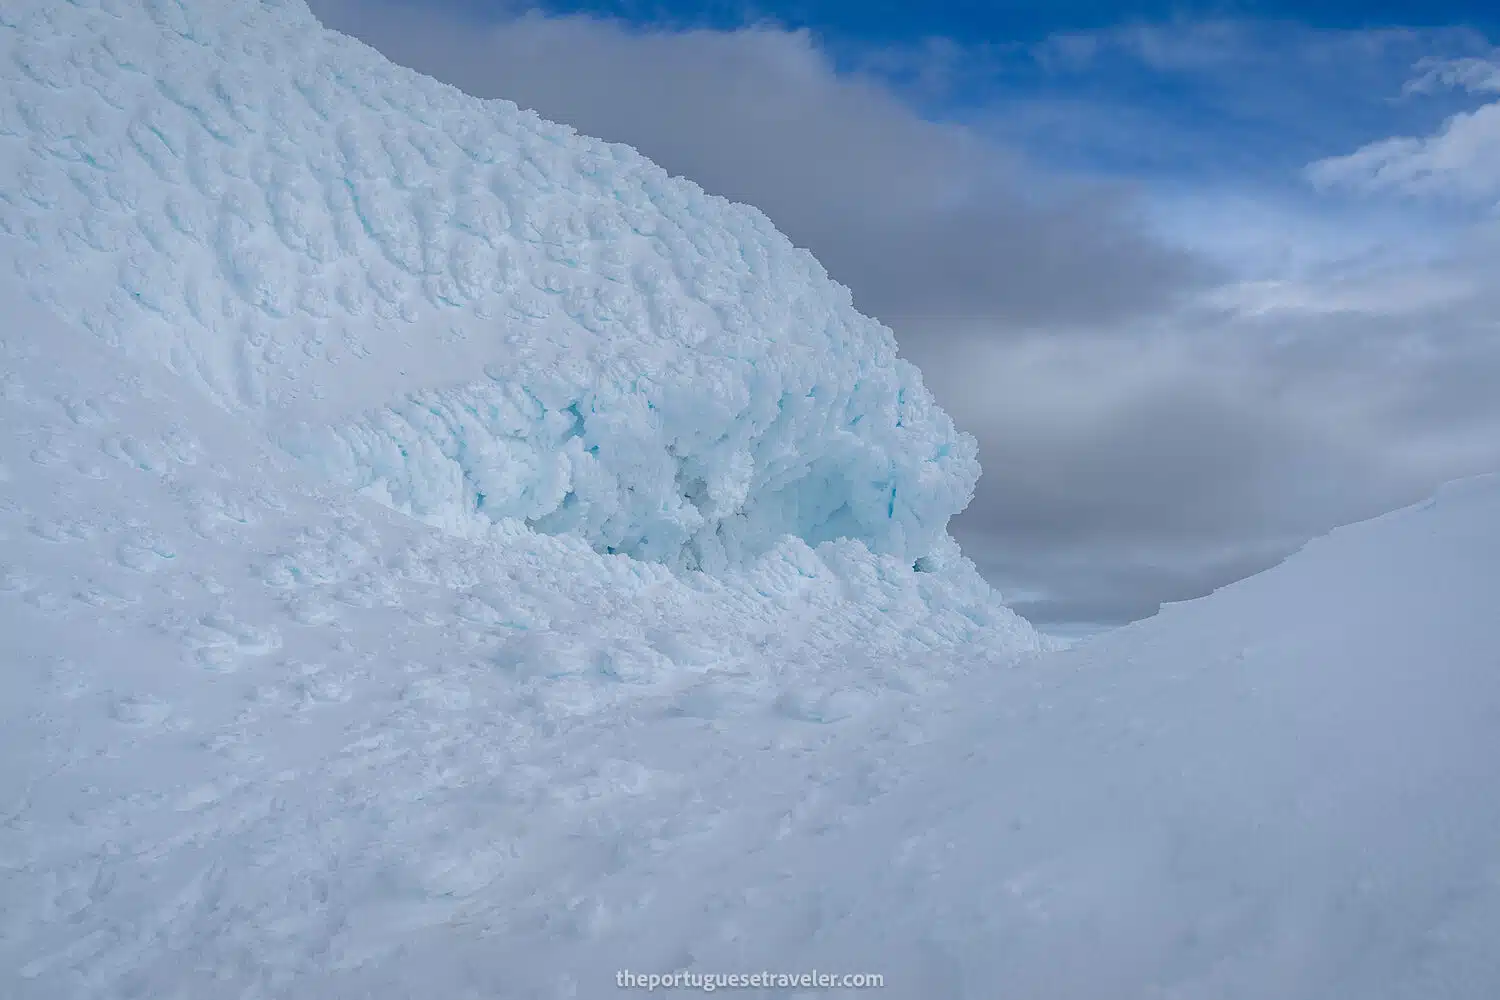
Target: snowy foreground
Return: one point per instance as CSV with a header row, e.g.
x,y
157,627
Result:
x,y
443,556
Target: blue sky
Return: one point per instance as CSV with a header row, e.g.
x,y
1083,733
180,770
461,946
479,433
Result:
x,y
1203,280
886,21
1274,95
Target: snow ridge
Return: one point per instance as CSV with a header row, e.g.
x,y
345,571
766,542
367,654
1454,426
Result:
x,y
469,312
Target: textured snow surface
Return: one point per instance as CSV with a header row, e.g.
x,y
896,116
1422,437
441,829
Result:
x,y
1289,789
261,737
462,308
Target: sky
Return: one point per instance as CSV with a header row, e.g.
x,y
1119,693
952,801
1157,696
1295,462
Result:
x,y
1204,280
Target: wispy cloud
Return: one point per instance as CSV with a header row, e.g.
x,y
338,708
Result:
x,y
1186,46
1461,160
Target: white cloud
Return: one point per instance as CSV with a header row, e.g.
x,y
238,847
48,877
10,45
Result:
x,y
1213,46
1460,161
1183,46
1471,73
1390,295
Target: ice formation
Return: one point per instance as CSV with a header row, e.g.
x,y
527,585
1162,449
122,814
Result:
x,y
461,308
261,733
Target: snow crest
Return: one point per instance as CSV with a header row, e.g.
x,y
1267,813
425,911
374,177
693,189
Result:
x,y
468,312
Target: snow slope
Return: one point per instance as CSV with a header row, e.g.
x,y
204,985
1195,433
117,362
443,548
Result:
x,y
1289,789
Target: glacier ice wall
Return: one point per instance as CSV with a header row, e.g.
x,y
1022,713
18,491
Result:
x,y
453,304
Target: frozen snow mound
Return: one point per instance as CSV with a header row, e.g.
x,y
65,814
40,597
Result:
x,y
468,312
259,736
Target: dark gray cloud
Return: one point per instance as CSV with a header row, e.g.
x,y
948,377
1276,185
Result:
x,y
1154,422
1158,467
1115,587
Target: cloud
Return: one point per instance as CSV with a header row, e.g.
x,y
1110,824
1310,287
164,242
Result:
x,y
1175,47
1460,161
1174,380
1475,74
1161,466
1219,99
1212,46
